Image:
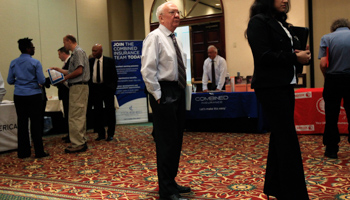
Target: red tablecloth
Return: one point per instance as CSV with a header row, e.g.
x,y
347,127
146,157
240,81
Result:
x,y
309,112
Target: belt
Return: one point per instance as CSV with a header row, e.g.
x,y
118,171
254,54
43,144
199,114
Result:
x,y
172,83
78,83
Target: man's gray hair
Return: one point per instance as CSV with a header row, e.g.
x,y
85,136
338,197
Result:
x,y
160,9
214,47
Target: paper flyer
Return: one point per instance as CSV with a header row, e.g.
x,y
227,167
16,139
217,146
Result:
x,y
55,76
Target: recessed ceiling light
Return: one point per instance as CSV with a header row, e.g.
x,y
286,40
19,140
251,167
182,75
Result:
x,y
217,4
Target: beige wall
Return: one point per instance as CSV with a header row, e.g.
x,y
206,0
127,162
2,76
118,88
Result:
x,y
238,54
120,18
138,20
126,20
47,22
324,13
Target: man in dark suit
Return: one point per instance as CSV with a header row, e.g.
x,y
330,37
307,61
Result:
x,y
63,90
103,85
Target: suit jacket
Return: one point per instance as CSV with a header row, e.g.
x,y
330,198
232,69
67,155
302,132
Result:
x,y
63,91
110,76
272,52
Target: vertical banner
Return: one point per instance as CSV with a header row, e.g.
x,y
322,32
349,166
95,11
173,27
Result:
x,y
130,91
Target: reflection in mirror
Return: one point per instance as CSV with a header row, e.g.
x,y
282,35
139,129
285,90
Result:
x,y
191,8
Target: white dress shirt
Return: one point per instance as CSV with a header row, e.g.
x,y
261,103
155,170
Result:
x,y
94,79
66,60
220,72
294,80
159,60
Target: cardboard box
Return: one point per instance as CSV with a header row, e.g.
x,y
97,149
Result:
x,y
240,87
249,88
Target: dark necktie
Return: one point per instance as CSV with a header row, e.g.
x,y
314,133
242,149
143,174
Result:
x,y
213,79
98,76
181,66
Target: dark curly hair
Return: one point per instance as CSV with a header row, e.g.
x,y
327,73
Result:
x,y
24,43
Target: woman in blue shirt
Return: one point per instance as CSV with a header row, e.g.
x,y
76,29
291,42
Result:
x,y
27,75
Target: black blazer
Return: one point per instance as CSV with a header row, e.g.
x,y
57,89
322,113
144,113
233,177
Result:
x,y
272,52
110,76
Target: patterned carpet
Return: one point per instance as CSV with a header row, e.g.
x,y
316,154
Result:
x,y
215,165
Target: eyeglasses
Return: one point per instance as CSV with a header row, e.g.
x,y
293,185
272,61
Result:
x,y
175,12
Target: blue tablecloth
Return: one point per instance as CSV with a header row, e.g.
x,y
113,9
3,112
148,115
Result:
x,y
224,105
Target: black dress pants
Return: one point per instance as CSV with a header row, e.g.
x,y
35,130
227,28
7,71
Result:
x,y
65,102
336,88
63,94
100,94
29,107
284,176
168,126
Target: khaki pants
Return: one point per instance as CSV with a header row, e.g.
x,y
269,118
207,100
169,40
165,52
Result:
x,y
78,100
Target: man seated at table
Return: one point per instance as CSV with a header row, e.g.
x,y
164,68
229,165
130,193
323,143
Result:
x,y
214,68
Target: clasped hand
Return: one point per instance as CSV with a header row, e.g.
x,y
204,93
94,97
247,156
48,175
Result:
x,y
303,56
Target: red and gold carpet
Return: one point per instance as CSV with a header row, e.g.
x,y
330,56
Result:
x,y
215,165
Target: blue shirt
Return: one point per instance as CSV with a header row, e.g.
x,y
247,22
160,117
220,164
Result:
x,y
338,43
26,73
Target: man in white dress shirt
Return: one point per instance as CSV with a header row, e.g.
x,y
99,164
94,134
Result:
x,y
163,73
218,77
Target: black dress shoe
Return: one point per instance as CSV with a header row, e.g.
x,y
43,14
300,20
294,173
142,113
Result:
x,y
65,138
23,156
99,138
183,189
173,197
109,139
331,154
42,155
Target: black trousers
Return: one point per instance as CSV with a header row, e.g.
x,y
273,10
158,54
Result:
x,y
168,126
29,107
100,95
336,88
63,94
284,176
65,102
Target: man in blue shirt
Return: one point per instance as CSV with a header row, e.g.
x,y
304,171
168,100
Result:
x,y
26,73
335,66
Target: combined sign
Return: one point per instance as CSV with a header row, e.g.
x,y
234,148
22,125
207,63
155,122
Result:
x,y
131,88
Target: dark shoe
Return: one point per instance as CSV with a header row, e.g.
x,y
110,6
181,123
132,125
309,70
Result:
x,y
42,155
81,148
65,138
173,197
99,138
109,139
331,154
24,156
183,189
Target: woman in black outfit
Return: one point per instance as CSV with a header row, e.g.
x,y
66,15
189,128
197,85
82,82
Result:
x,y
277,60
